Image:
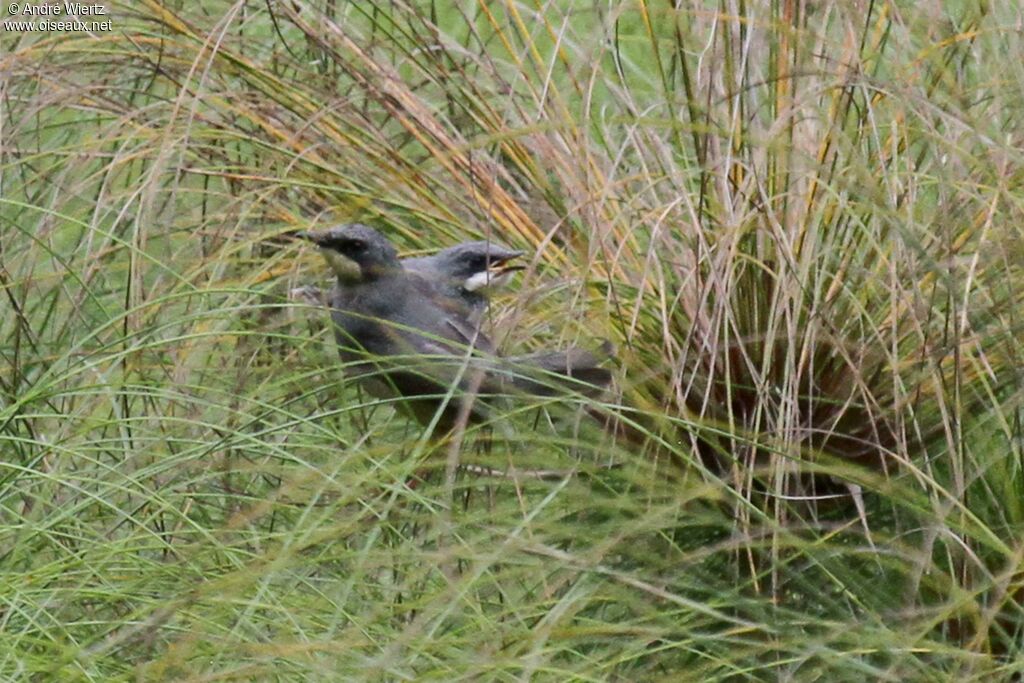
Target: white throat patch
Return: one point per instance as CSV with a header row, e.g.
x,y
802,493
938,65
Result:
x,y
485,279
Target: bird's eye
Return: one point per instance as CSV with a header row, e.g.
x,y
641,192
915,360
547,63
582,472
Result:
x,y
356,246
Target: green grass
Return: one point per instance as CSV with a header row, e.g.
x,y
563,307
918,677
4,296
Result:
x,y
800,223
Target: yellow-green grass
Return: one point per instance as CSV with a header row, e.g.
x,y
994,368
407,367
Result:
x,y
800,224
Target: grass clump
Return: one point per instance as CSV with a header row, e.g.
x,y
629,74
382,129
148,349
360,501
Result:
x,y
799,224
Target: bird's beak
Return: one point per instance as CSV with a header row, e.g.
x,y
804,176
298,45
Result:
x,y
314,236
497,269
345,268
498,272
502,267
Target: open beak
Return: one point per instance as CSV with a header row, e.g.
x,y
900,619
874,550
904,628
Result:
x,y
498,272
502,267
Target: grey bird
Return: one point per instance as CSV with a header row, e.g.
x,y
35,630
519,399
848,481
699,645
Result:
x,y
469,272
401,338
465,274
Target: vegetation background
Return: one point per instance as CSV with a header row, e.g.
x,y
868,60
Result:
x,y
800,222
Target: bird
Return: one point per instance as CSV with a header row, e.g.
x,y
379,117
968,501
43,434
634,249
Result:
x,y
470,271
401,337
465,274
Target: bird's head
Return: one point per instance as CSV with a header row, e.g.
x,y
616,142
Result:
x,y
354,251
478,266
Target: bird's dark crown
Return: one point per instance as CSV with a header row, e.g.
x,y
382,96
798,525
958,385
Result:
x,y
362,244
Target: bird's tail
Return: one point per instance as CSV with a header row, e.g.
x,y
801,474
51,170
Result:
x,y
548,373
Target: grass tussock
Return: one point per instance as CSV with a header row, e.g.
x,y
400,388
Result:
x,y
800,223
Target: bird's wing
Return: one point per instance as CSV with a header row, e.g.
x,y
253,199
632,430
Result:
x,y
443,318
470,334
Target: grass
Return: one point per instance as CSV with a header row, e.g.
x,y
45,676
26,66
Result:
x,y
799,223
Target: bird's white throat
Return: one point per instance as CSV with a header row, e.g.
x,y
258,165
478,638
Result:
x,y
486,279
